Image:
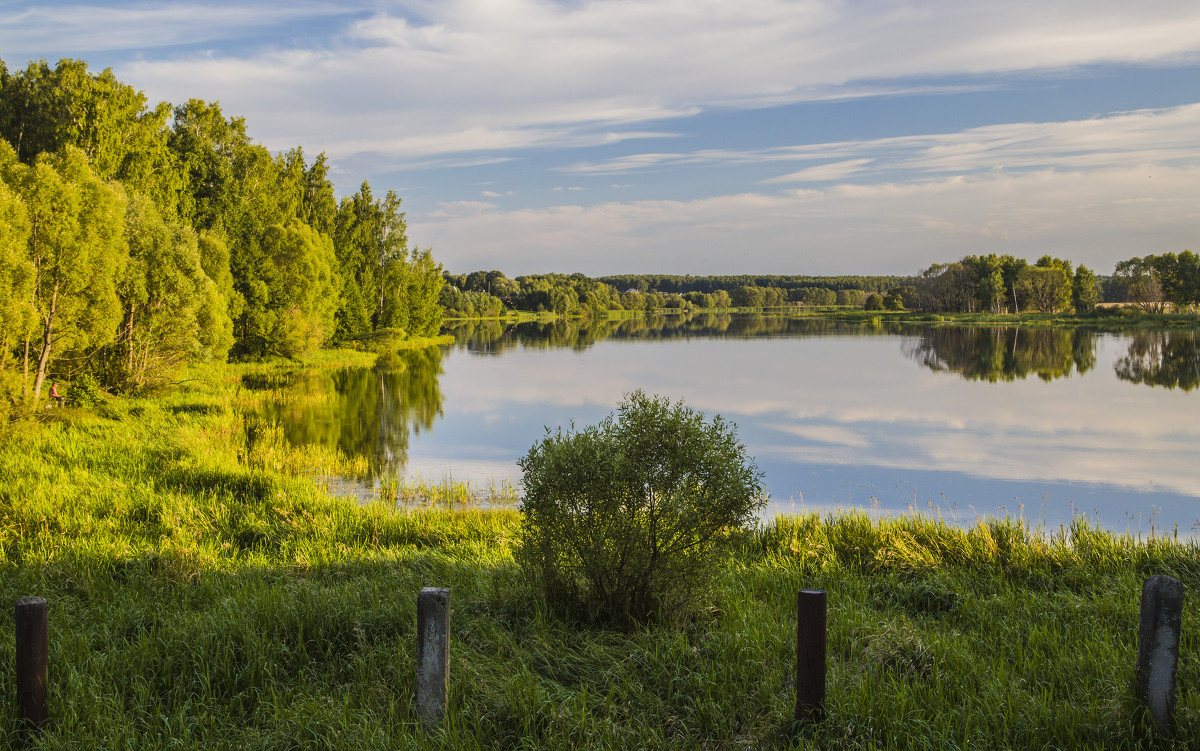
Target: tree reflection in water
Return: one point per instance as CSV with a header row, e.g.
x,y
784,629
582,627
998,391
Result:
x,y
494,337
374,413
1003,353
1157,358
365,412
990,353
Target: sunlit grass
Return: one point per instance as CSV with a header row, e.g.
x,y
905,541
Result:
x,y
207,593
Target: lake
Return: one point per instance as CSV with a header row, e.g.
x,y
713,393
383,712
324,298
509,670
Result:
x,y
949,420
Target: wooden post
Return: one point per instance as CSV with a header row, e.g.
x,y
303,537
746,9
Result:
x,y
33,659
433,654
810,654
1158,648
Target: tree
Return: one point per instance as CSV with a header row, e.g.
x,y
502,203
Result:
x,y
171,309
851,297
747,296
1085,292
1139,279
1178,276
46,110
293,297
874,301
78,252
422,281
988,280
16,268
621,520
1010,270
1047,284
948,287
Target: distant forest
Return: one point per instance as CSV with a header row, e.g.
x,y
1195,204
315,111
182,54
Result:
x,y
137,238
972,284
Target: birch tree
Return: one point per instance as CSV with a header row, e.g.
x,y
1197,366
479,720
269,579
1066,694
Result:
x,y
78,252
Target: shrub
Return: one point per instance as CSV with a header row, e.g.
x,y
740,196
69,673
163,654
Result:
x,y
621,520
85,391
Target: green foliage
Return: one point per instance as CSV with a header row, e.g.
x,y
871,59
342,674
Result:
x,y
622,520
228,246
1085,290
85,391
1008,353
1156,280
1167,359
172,311
77,249
874,301
299,290
17,270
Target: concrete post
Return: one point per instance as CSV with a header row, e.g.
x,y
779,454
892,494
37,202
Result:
x,y
810,654
1158,648
33,659
433,654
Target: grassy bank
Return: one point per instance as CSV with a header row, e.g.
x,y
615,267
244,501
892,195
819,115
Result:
x,y
1112,319
206,592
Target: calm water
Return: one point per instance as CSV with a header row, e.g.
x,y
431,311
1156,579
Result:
x,y
961,421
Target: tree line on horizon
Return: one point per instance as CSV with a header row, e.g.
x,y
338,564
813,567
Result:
x,y
136,238
973,284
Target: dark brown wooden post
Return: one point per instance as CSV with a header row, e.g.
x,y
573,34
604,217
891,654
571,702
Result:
x,y
810,654
433,654
1158,648
33,659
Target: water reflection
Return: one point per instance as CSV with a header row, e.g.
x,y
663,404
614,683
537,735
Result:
x,y
977,353
1003,353
371,413
1168,359
835,412
494,338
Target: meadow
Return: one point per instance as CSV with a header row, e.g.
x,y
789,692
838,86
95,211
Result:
x,y
206,590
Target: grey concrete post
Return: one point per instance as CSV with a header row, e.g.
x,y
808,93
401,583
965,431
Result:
x,y
433,654
33,659
1158,648
810,653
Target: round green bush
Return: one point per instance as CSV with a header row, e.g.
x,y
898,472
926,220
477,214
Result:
x,y
622,520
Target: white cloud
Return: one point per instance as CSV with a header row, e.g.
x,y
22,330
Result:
x,y
1097,217
48,30
1164,135
427,78
834,435
824,172
454,210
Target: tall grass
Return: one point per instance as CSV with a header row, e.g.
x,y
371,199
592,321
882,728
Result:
x,y
209,594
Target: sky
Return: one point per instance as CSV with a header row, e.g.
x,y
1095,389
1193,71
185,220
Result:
x,y
700,136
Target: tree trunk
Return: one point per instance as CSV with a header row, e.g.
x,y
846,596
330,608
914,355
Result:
x,y
129,342
25,372
47,342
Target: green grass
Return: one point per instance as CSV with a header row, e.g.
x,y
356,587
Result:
x,y
1111,319
207,594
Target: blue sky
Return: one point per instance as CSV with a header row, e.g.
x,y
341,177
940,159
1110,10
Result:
x,y
693,136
